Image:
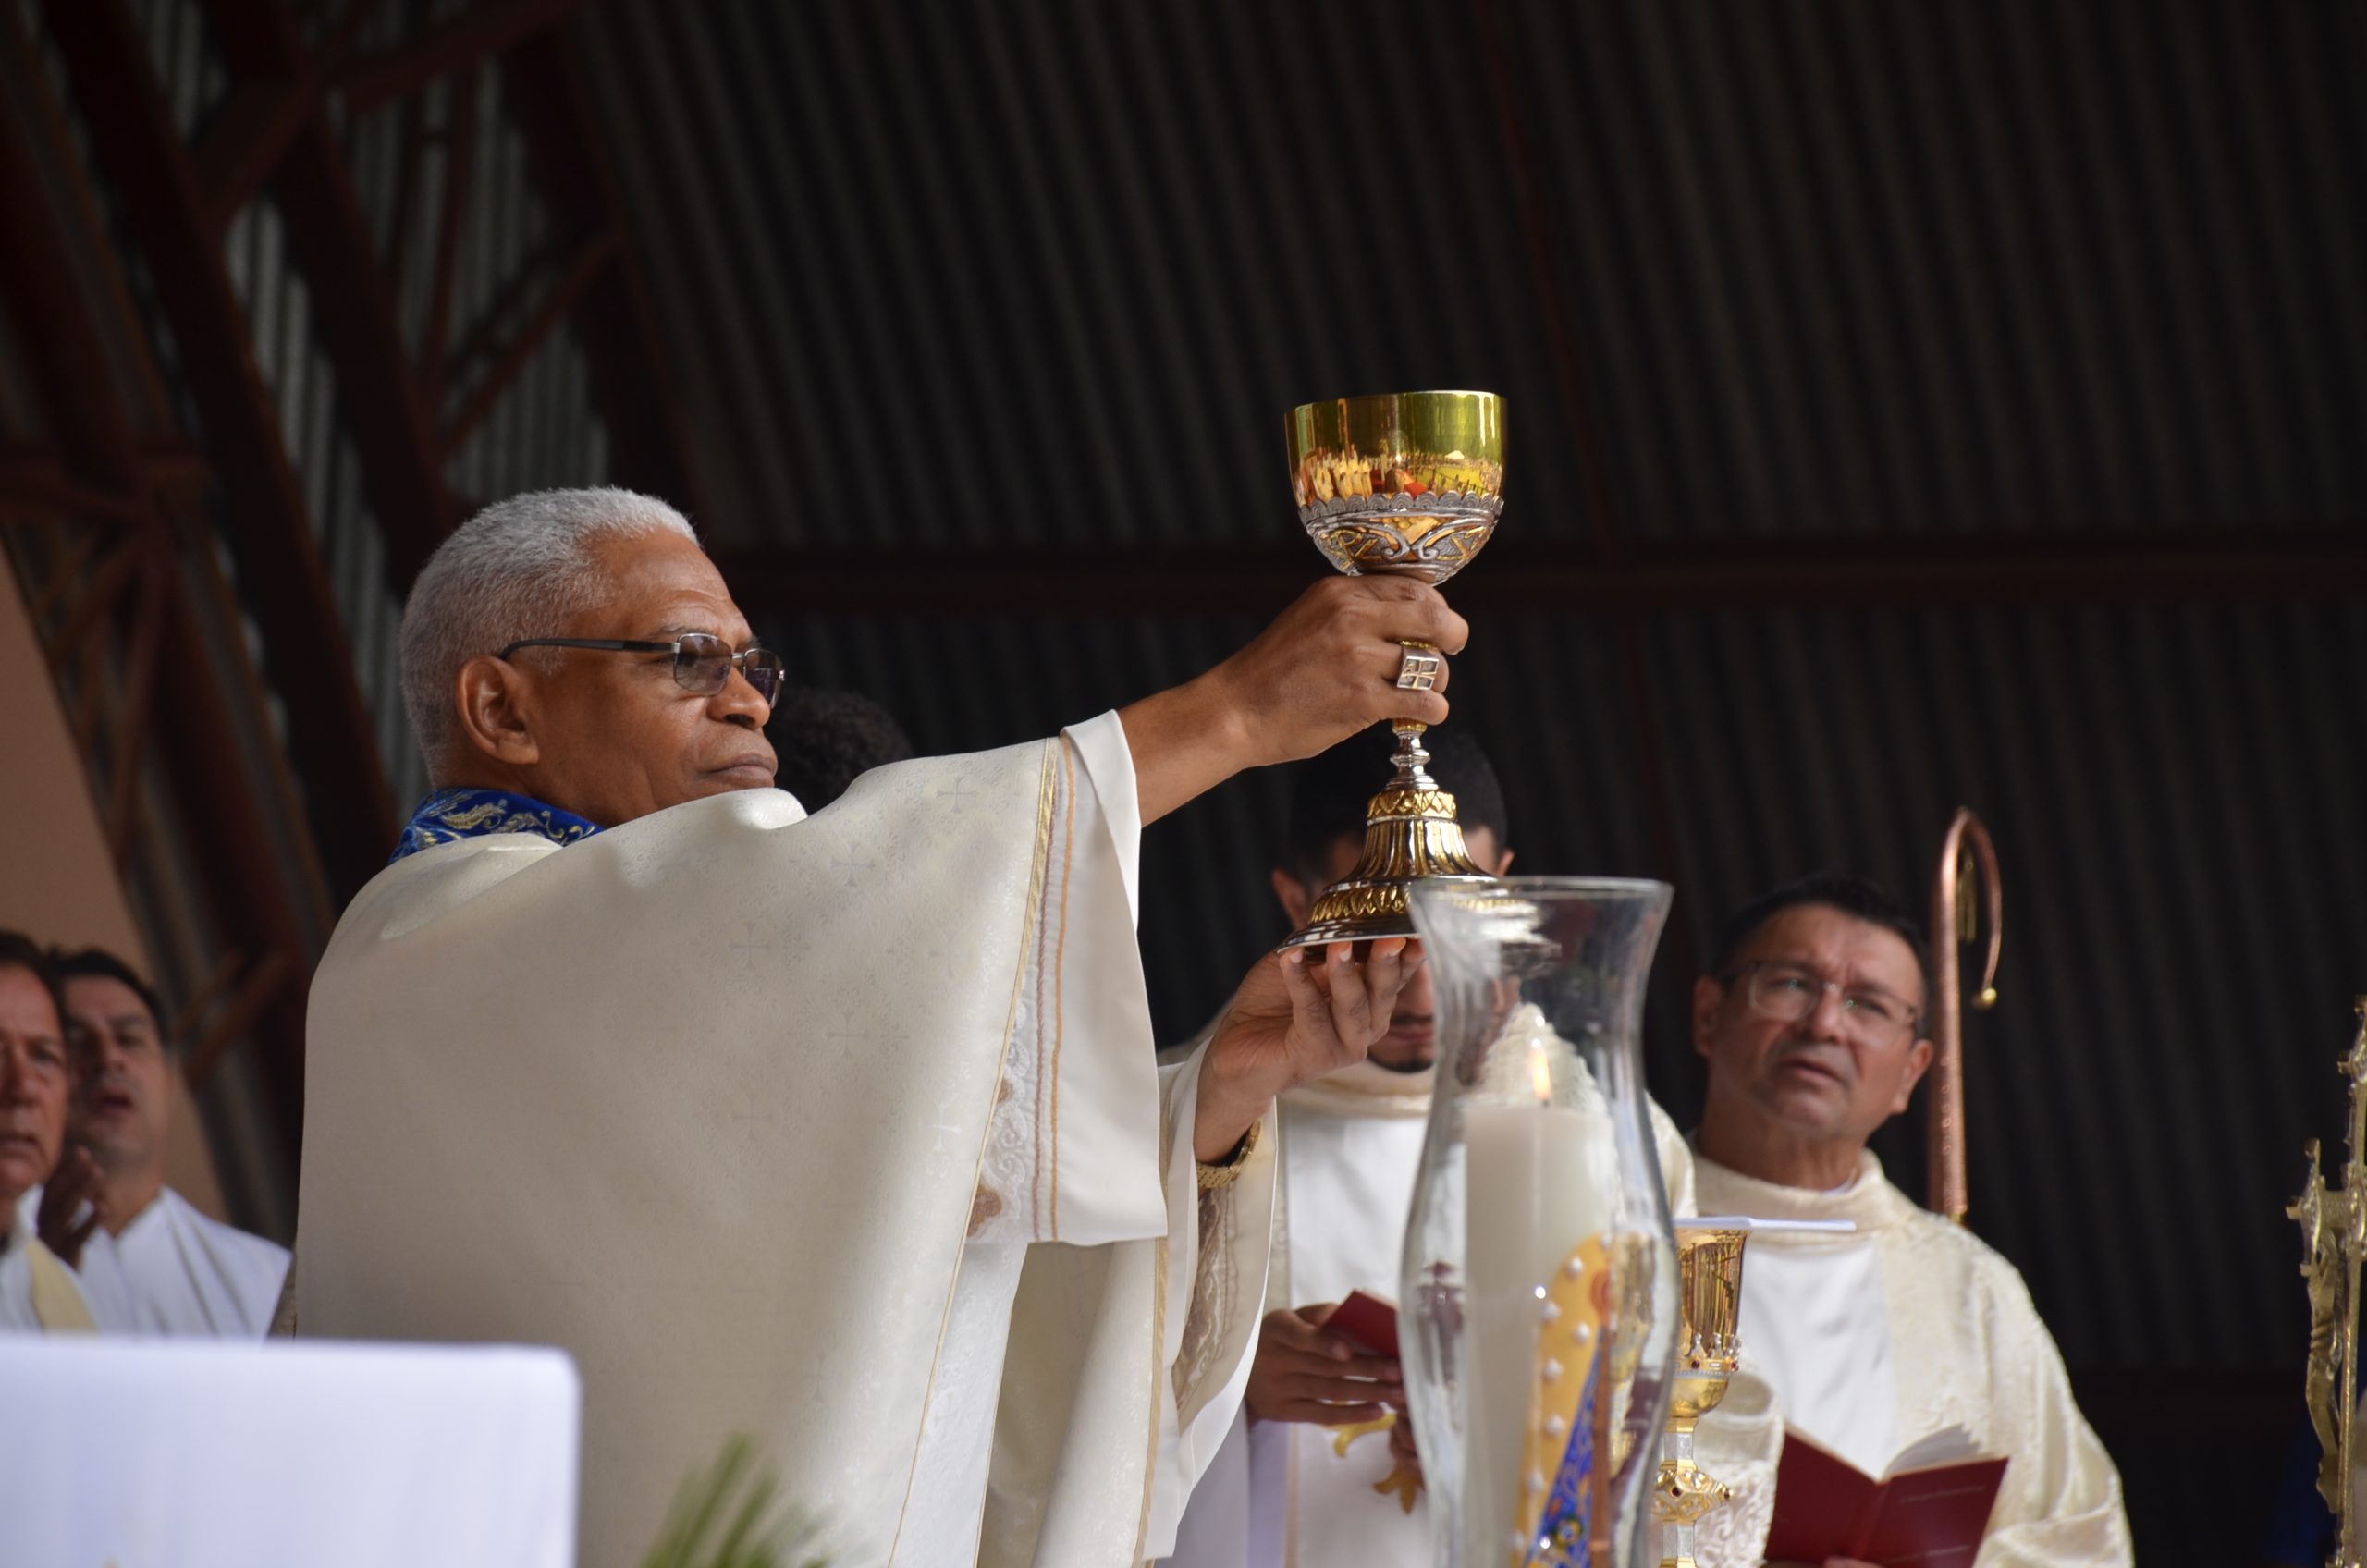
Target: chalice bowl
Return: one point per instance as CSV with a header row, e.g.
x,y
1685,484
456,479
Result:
x,y
1408,483
1708,1293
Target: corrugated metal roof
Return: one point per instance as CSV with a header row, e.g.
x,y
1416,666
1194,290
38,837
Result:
x,y
2164,783
1049,275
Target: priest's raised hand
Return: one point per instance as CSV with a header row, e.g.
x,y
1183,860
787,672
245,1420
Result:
x,y
781,1110
1325,669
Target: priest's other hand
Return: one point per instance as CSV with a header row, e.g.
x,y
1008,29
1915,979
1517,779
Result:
x,y
1294,1020
1304,1372
73,1205
1325,669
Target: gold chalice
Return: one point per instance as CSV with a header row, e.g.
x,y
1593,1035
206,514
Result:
x,y
1407,483
1708,1293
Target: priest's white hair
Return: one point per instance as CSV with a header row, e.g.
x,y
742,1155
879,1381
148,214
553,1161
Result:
x,y
522,568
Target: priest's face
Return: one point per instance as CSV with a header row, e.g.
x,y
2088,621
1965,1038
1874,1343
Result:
x,y
36,1083
1836,1072
1410,1043
129,1094
614,736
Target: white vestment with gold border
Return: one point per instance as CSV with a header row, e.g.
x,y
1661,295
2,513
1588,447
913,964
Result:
x,y
843,1133
1929,1328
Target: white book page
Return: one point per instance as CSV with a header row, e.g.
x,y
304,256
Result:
x,y
1949,1445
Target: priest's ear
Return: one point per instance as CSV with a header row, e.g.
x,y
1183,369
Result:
x,y
495,700
1708,1009
1293,896
1917,1059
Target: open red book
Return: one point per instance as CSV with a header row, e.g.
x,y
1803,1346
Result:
x,y
1930,1507
1368,1320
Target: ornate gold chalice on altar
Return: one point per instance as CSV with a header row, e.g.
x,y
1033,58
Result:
x,y
1409,484
1708,1293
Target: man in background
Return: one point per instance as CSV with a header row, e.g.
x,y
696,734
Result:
x,y
1812,1022
1306,1476
828,740
38,1292
177,1270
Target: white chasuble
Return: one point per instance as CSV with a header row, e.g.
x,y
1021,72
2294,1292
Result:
x,y
1295,1495
1872,1342
766,1120
181,1271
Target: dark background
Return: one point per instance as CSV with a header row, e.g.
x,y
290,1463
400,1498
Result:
x,y
1910,406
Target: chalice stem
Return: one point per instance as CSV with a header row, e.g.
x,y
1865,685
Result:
x,y
1677,1474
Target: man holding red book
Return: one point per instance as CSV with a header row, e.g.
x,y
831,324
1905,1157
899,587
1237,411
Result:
x,y
1906,1348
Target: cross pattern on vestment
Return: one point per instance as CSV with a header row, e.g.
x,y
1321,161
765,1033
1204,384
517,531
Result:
x,y
960,791
752,1118
848,863
817,1387
749,949
846,1034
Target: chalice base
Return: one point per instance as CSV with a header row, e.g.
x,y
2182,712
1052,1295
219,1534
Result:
x,y
1411,834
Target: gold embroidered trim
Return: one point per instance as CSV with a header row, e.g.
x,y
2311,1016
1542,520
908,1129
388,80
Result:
x,y
1009,1022
1060,969
1226,1172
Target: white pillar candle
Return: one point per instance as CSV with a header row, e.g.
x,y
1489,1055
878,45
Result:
x,y
1542,1180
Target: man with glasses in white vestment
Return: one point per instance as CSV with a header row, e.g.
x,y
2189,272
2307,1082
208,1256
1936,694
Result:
x,y
845,1132
1811,1019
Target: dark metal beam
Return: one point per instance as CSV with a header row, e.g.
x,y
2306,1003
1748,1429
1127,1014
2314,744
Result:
x,y
262,118
32,489
354,307
223,832
143,658
263,516
245,142
457,158
1516,576
581,271
649,443
375,80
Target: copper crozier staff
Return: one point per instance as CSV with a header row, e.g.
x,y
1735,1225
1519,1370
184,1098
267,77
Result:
x,y
764,1118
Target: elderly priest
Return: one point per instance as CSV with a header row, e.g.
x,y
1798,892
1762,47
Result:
x,y
841,1132
1909,1331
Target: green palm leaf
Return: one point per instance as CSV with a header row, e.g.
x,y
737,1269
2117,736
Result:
x,y
762,1531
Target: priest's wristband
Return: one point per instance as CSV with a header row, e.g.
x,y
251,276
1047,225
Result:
x,y
1214,1178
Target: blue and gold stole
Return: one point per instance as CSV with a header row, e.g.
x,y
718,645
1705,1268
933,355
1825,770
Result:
x,y
449,814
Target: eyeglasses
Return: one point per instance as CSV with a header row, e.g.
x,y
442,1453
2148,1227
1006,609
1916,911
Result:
x,y
1789,993
703,661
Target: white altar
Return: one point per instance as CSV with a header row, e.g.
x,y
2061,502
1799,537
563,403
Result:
x,y
198,1453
